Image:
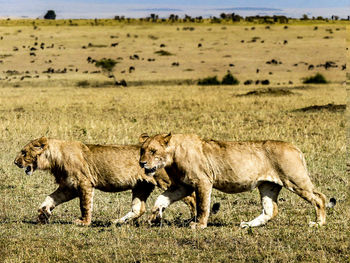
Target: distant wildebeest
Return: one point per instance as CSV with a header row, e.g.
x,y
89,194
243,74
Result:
x,y
311,67
131,69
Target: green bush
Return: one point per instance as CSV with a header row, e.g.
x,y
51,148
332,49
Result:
x,y
209,81
163,53
83,83
317,79
229,79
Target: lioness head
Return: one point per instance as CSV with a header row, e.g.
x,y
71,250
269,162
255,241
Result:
x,y
154,153
28,156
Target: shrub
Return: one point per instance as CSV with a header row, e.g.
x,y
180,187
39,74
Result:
x,y
209,81
229,79
265,82
163,53
248,82
83,83
317,79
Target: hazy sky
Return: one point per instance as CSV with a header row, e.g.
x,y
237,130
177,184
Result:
x,y
142,8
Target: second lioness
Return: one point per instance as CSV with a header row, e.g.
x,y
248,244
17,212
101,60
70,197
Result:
x,y
194,164
80,168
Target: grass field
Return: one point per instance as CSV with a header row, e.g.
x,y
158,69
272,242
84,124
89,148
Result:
x,y
83,105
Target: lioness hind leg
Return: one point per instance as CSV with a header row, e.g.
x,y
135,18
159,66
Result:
x,y
317,199
268,194
139,197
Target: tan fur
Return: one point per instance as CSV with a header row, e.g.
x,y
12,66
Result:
x,y
80,168
232,167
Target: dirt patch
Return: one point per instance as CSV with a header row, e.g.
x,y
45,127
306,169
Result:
x,y
329,107
267,92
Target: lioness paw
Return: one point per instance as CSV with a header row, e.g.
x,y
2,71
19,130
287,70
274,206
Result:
x,y
80,222
195,225
314,224
44,216
244,225
155,219
119,221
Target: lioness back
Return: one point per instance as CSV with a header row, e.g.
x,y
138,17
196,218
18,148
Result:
x,y
241,166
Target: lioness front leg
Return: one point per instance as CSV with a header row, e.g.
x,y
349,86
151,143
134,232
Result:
x,y
173,194
86,195
139,197
203,193
61,195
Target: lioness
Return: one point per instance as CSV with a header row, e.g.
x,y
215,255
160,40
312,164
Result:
x,y
80,168
232,167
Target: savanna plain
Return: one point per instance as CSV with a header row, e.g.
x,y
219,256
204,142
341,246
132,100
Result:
x,y
49,87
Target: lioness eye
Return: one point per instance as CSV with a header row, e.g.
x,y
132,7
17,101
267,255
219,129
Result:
x,y
24,153
153,151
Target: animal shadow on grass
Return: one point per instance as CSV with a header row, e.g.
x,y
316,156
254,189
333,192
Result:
x,y
97,223
185,223
54,222
329,107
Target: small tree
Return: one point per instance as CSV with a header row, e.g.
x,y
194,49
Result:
x,y
229,79
107,65
305,17
50,14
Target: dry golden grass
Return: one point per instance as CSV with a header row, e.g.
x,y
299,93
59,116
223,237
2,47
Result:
x,y
102,113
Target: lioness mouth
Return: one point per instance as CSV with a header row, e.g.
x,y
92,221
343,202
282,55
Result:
x,y
29,170
150,171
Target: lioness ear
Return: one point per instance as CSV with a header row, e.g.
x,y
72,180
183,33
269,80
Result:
x,y
143,137
43,142
167,138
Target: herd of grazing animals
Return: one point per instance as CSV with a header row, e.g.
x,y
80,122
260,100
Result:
x,y
130,63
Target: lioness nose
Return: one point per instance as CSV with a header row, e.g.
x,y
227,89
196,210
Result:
x,y
18,164
142,164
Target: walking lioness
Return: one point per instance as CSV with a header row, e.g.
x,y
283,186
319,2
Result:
x,y
232,167
80,168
